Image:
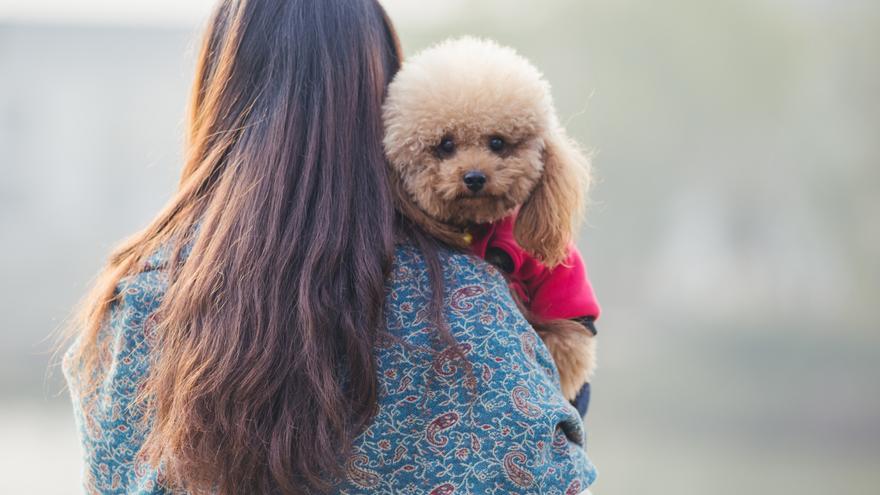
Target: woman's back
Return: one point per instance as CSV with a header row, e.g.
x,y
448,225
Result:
x,y
259,360
500,427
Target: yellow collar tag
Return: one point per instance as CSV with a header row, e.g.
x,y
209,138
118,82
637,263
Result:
x,y
467,238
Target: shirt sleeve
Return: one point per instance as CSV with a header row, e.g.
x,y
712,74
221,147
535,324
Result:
x,y
497,425
535,435
110,422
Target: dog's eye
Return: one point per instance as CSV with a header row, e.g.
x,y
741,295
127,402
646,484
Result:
x,y
446,146
496,144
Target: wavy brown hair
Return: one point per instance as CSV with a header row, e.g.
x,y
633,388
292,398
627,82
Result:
x,y
262,369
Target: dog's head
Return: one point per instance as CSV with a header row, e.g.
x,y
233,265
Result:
x,y
471,134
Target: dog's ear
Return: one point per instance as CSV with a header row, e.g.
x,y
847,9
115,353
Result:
x,y
546,221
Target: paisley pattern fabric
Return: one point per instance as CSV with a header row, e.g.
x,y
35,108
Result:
x,y
499,426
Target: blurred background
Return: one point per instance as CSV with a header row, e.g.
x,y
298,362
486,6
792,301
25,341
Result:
x,y
733,236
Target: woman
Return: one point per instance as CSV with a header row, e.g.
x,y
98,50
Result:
x,y
277,329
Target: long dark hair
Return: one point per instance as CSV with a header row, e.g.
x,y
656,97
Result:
x,y
263,368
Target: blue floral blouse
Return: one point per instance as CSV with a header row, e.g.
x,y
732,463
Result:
x,y
503,428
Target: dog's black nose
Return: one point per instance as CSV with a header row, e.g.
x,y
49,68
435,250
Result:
x,y
474,180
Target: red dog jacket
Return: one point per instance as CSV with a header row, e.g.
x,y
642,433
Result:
x,y
561,292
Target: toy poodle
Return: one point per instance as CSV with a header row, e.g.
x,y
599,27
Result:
x,y
480,161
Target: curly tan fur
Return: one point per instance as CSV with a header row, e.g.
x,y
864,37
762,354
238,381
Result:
x,y
573,349
546,221
470,90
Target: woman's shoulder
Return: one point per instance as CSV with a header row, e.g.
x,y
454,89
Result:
x,y
140,293
493,422
465,276
109,419
478,310
131,316
477,303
